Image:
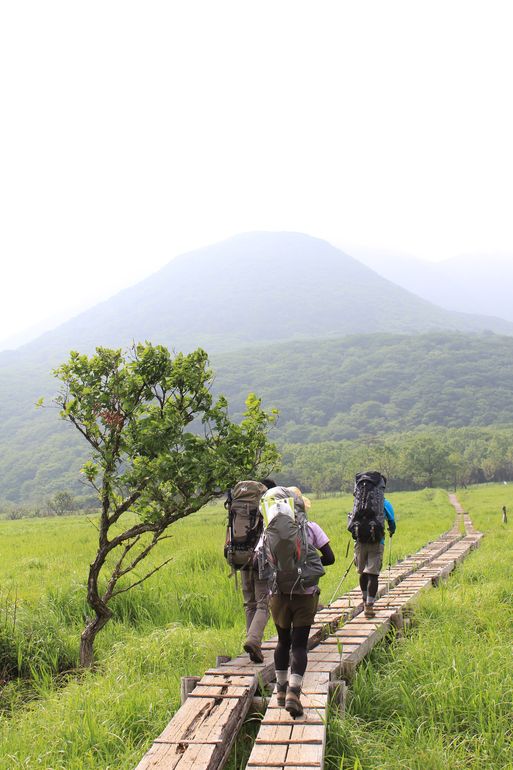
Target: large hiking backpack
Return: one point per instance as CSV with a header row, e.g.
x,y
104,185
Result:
x,y
294,561
366,523
245,523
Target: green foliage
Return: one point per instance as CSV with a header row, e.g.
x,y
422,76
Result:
x,y
371,385
351,389
450,458
135,411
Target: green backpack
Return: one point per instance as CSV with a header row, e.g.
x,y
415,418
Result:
x,y
295,562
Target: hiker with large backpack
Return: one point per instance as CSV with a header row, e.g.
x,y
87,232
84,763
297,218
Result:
x,y
245,527
290,546
366,523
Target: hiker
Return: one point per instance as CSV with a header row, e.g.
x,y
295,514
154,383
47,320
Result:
x,y
294,592
367,525
245,526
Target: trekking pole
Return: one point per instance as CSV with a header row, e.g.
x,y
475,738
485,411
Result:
x,y
337,589
345,574
389,566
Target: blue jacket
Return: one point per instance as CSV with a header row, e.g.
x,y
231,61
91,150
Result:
x,y
390,517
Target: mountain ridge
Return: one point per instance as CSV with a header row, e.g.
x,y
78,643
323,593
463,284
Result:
x,y
296,287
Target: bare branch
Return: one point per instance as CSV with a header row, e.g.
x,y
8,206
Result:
x,y
138,582
92,522
84,433
125,505
117,571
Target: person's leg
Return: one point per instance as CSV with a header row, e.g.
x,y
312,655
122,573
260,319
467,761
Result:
x,y
255,631
299,647
281,663
252,645
372,589
359,560
373,568
364,581
248,593
304,615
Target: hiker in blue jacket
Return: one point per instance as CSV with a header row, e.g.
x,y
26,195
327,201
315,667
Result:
x,y
368,558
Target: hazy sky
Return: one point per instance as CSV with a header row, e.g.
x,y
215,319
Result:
x,y
133,131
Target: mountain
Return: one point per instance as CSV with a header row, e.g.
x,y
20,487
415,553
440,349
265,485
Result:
x,y
253,288
468,284
251,292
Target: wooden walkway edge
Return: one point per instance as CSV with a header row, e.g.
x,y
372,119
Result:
x,y
203,731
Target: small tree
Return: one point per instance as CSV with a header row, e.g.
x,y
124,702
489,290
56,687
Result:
x,y
148,467
61,503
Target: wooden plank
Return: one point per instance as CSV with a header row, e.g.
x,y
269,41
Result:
x,y
177,757
220,691
282,717
208,719
307,754
268,755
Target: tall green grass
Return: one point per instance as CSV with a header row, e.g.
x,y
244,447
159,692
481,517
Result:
x,y
173,625
442,698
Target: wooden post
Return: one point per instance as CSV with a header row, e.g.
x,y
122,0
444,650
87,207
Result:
x,y
258,705
337,690
504,515
187,685
222,659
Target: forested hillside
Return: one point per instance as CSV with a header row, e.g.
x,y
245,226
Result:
x,y
437,457
376,384
355,388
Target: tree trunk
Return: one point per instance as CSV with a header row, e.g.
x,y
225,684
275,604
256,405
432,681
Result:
x,y
102,613
89,635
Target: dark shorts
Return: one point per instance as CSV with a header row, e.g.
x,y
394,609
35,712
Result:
x,y
297,611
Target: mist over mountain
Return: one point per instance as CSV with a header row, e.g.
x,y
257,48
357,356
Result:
x,y
467,284
253,288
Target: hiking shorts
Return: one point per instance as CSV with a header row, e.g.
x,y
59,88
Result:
x,y
368,557
297,611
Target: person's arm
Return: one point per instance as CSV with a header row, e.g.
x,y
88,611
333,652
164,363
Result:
x,y
327,555
389,513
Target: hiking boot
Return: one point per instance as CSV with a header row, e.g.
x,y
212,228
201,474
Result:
x,y
292,702
254,652
369,611
281,690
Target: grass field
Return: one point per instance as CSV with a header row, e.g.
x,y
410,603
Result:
x,y
55,717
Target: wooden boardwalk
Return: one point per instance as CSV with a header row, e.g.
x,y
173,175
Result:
x,y
204,729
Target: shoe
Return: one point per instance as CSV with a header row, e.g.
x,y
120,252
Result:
x,y
368,611
281,690
292,702
254,652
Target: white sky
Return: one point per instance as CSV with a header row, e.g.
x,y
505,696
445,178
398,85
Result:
x,y
133,131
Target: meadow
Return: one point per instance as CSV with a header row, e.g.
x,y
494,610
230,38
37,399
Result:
x,y
55,716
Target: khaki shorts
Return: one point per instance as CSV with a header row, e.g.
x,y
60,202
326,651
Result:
x,y
297,611
368,557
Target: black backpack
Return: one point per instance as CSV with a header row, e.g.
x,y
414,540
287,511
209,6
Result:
x,y
366,522
245,523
